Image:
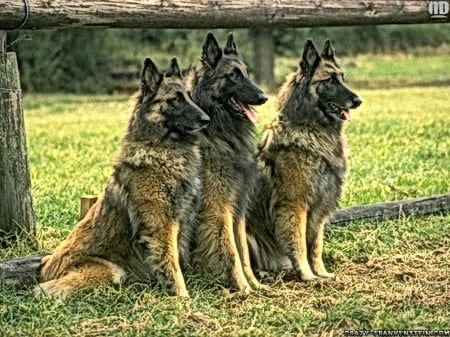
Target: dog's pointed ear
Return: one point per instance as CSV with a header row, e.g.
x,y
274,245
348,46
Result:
x,y
310,58
328,52
230,47
150,76
211,51
174,69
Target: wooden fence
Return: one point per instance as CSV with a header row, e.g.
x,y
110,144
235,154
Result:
x,y
215,13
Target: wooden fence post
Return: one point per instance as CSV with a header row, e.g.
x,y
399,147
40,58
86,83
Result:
x,y
86,202
16,205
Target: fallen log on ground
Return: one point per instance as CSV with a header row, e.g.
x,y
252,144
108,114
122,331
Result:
x,y
20,271
25,270
392,210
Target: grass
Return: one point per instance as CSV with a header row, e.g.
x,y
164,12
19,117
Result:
x,y
390,275
402,71
386,71
399,141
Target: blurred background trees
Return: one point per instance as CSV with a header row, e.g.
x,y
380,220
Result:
x,y
105,60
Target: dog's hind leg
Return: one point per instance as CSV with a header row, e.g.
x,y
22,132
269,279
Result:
x,y
315,245
91,273
290,233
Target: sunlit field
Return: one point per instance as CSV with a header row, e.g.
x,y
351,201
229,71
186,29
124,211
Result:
x,y
399,144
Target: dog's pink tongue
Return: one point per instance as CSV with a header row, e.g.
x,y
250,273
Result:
x,y
347,115
249,112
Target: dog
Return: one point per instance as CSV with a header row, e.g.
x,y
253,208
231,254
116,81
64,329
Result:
x,y
302,158
141,228
221,86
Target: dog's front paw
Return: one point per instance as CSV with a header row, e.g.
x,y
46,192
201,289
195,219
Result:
x,y
308,276
321,271
184,294
306,273
325,274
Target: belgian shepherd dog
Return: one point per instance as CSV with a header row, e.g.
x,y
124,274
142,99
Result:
x,y
221,86
303,162
141,228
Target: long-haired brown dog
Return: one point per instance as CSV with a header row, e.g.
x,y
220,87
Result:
x,y
141,228
303,160
222,87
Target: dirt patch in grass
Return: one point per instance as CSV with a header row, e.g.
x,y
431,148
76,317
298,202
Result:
x,y
395,281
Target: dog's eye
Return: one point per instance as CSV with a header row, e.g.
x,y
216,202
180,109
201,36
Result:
x,y
235,75
179,98
332,79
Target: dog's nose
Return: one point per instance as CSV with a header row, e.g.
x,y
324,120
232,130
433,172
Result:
x,y
356,101
204,118
262,98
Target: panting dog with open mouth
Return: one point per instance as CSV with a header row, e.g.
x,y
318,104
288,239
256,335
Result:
x,y
303,159
221,86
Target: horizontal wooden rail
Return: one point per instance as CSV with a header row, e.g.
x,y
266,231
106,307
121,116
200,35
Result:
x,y
20,271
392,210
212,13
24,270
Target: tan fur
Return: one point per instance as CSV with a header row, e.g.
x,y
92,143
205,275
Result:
x,y
222,87
216,243
302,156
141,226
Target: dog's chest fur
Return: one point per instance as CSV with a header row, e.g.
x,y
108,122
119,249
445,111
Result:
x,y
172,172
229,161
307,162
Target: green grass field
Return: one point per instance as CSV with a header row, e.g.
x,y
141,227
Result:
x,y
389,275
386,71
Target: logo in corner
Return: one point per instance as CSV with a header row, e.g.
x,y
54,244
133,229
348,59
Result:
x,y
438,9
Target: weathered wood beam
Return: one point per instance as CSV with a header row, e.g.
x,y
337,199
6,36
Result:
x,y
392,210
212,13
20,271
